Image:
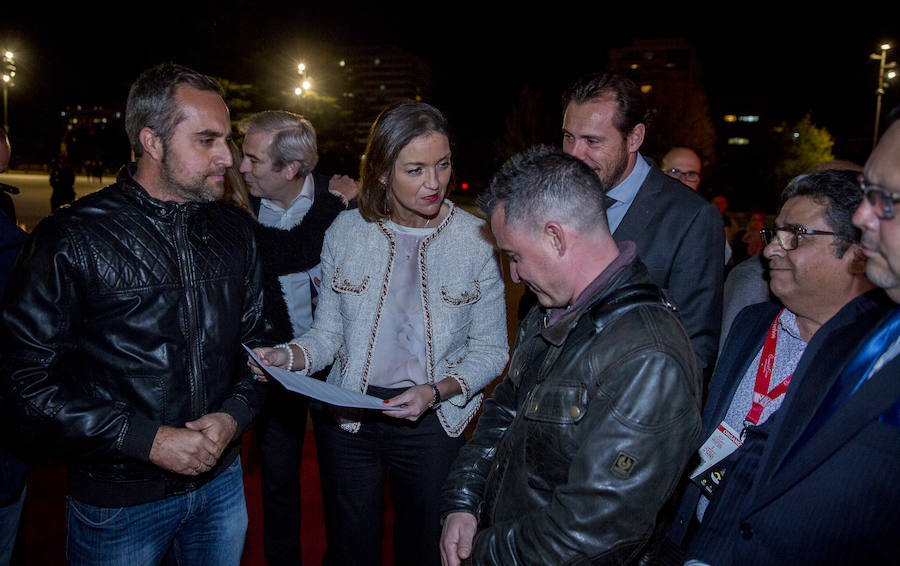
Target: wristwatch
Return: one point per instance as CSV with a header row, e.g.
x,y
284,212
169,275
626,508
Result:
x,y
436,400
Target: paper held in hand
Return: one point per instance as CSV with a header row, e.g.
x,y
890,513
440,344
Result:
x,y
325,392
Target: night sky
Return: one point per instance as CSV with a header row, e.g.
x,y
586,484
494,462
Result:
x,y
763,57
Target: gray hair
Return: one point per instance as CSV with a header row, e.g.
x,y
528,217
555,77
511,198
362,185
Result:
x,y
152,101
838,191
294,139
544,184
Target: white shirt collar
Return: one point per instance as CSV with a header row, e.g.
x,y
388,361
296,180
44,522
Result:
x,y
307,191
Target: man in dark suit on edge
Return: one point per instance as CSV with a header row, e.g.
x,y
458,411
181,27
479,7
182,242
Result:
x,y
679,235
817,270
818,483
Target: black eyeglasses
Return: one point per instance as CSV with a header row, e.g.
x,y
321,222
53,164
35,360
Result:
x,y
788,237
882,201
679,174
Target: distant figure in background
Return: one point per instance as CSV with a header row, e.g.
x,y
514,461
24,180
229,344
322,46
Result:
x,y
6,202
11,236
12,470
728,223
684,164
751,240
747,284
98,170
721,203
62,179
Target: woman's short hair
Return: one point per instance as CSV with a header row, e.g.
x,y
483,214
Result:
x,y
395,127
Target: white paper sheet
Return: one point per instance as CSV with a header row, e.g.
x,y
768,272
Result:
x,y
331,394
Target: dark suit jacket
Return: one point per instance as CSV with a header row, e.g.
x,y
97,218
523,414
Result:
x,y
680,239
833,499
744,340
6,202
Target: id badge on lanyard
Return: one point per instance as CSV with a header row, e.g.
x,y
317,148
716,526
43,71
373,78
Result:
x,y
717,447
725,439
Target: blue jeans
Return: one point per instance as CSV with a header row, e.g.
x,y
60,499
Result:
x,y
204,526
9,526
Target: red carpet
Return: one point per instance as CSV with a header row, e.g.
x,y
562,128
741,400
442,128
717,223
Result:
x,y
44,517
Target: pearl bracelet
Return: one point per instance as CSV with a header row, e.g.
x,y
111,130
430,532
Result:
x,y
290,351
435,396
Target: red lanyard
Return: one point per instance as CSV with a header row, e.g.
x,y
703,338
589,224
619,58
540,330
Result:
x,y
761,394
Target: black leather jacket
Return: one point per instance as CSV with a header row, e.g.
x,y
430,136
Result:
x,y
127,313
586,437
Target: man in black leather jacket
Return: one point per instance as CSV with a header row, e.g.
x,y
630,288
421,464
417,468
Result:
x,y
121,338
585,439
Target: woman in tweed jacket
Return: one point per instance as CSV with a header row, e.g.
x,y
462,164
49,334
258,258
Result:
x,y
412,311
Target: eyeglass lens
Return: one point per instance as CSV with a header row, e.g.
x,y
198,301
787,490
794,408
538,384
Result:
x,y
881,201
785,236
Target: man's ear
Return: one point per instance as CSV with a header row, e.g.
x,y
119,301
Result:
x,y
151,143
556,237
635,138
290,170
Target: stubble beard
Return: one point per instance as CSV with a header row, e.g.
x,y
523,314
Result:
x,y
882,275
195,189
613,176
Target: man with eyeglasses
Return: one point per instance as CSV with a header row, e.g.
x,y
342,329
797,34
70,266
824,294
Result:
x,y
684,164
818,484
816,268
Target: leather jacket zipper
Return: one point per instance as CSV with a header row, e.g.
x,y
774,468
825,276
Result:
x,y
186,268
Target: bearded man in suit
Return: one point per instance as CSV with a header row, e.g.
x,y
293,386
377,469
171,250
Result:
x,y
679,235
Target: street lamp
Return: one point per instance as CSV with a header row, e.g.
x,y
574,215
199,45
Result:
x,y
305,83
7,75
883,65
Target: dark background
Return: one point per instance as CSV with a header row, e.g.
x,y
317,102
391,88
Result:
x,y
772,59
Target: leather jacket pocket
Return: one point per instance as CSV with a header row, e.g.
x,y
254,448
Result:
x,y
351,289
551,411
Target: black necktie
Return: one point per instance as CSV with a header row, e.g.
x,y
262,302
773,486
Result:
x,y
608,201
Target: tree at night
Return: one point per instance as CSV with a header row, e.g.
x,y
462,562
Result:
x,y
803,145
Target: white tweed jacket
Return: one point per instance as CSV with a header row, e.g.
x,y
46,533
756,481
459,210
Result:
x,y
463,304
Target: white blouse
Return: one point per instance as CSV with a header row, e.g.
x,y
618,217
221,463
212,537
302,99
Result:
x,y
399,357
